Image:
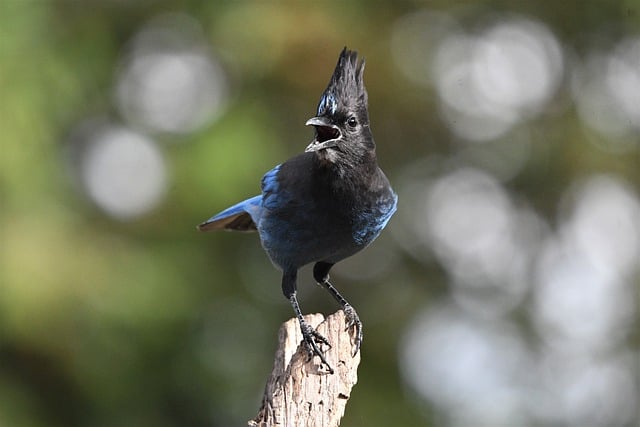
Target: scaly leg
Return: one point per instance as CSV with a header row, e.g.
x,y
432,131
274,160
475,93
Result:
x,y
310,336
321,274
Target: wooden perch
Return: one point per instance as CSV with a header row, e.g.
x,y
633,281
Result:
x,y
300,392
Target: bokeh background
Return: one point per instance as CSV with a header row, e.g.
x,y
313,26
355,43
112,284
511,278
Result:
x,y
505,291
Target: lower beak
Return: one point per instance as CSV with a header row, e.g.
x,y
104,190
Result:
x,y
317,146
327,134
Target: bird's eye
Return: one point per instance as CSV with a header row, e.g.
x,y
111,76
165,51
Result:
x,y
352,122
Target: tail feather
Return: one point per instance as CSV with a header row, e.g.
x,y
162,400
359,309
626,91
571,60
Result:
x,y
239,217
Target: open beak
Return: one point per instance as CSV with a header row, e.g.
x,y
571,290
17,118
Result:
x,y
327,134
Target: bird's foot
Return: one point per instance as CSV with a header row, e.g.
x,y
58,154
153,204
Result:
x,y
312,339
353,321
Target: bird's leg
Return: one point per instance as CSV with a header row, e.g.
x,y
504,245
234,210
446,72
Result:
x,y
321,274
310,336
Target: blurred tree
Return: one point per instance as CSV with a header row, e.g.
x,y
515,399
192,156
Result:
x,y
510,131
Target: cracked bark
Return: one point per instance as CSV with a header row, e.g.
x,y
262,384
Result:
x,y
301,392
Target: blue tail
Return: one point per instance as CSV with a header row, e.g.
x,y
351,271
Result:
x,y
241,217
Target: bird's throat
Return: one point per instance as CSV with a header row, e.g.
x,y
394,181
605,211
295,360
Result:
x,y
328,156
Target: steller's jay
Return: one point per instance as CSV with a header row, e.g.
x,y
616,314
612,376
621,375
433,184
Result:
x,y
325,204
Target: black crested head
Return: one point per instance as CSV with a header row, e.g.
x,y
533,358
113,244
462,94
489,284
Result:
x,y
342,119
346,87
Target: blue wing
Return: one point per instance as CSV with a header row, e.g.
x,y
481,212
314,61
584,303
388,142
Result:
x,y
244,216
272,196
241,217
370,223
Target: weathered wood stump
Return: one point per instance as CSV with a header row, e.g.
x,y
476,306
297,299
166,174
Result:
x,y
300,391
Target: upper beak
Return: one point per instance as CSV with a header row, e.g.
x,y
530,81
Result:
x,y
327,134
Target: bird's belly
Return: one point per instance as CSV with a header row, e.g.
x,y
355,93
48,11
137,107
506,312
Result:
x,y
297,241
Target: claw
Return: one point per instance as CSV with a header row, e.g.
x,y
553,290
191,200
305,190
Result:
x,y
312,338
353,321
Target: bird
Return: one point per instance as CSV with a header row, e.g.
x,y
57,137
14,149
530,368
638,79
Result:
x,y
324,204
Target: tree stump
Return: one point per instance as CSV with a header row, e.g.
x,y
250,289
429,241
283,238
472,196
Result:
x,y
301,392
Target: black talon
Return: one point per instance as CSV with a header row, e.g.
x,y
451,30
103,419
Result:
x,y
312,338
321,274
353,321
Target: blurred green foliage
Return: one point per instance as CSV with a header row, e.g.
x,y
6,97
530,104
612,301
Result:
x,y
148,323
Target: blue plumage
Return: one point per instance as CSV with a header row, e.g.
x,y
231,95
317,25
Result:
x,y
371,223
327,105
325,204
242,216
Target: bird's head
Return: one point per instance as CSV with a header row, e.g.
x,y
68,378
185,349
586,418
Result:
x,y
342,119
